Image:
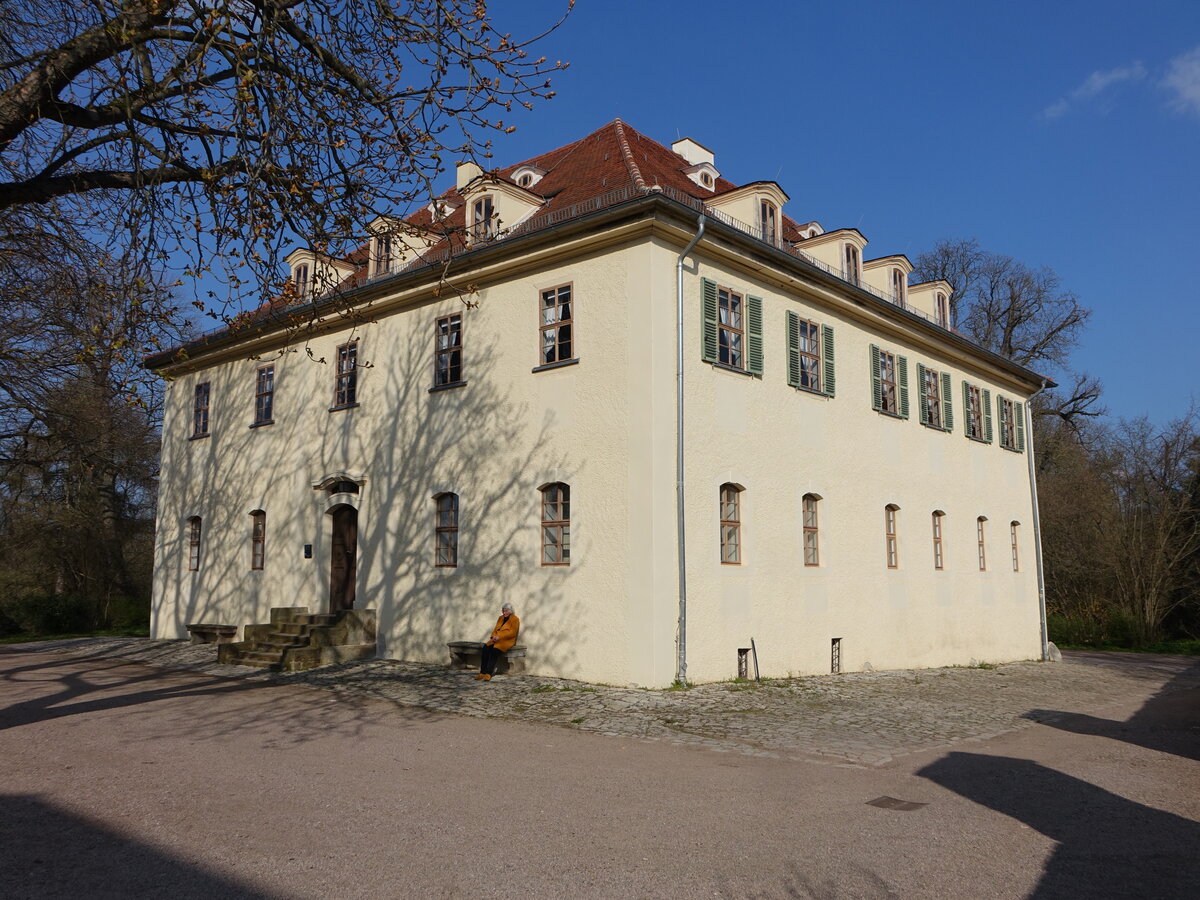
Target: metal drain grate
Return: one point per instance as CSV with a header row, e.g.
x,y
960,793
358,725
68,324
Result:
x,y
893,803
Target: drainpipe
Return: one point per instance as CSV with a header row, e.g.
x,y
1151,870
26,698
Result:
x,y
1037,522
681,663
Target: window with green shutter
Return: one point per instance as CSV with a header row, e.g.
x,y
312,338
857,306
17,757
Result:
x,y
977,409
936,410
889,383
810,355
1011,416
731,328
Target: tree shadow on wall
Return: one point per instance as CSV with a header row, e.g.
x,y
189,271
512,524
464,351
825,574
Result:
x,y
484,446
50,852
476,440
1107,846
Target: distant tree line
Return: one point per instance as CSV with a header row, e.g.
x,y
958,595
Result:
x,y
1120,499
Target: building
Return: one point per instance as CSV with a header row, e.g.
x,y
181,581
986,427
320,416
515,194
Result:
x,y
482,405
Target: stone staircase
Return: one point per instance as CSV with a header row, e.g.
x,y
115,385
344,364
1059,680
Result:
x,y
296,639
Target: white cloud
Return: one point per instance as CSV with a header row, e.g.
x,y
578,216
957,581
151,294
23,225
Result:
x,y
1183,80
1099,82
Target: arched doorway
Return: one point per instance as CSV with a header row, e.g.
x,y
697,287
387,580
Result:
x,y
343,558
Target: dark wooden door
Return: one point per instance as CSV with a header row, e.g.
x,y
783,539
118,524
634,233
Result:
x,y
342,562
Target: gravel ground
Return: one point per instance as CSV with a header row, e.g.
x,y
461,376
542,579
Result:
x,y
852,719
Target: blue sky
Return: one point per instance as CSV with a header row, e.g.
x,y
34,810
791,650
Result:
x,y
1065,134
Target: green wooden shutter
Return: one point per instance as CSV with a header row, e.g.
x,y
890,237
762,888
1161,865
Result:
x,y
793,349
987,415
1002,419
827,380
923,408
966,408
876,387
1019,412
947,404
902,365
708,341
754,335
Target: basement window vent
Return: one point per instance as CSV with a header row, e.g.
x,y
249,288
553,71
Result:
x,y
743,662
835,656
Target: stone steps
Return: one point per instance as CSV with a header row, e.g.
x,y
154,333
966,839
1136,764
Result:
x,y
296,639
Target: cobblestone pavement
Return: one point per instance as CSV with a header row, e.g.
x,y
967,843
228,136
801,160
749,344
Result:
x,y
855,719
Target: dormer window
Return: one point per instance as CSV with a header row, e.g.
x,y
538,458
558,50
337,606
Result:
x,y
899,286
852,265
300,279
942,310
527,176
768,222
706,179
483,222
382,254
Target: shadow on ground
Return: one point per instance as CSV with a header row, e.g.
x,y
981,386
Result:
x,y
52,852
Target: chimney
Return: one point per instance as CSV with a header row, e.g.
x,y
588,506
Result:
x,y
467,172
693,152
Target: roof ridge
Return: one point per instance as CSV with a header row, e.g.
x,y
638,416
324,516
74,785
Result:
x,y
634,172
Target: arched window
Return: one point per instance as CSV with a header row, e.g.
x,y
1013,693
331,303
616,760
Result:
x,y
258,538
768,222
193,536
731,525
556,524
938,557
811,535
891,535
483,223
300,277
899,285
445,531
851,270
942,310
979,536
382,256
1014,532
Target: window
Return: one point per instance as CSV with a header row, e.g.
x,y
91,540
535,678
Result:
x,y
447,350
768,222
264,395
732,333
556,525
811,552
383,254
979,538
977,403
300,277
938,558
851,265
445,531
557,327
483,223
200,410
258,538
526,180
941,308
889,383
345,391
731,526
193,534
1013,535
899,286
936,409
810,355
1012,424
889,529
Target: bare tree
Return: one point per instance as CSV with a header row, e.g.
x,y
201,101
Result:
x,y
1022,313
1153,477
227,130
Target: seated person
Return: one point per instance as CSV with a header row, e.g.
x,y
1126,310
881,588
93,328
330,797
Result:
x,y
504,636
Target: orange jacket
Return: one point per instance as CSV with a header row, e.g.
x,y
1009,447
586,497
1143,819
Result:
x,y
504,635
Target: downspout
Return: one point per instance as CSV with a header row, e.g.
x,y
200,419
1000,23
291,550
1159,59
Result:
x,y
681,662
1037,523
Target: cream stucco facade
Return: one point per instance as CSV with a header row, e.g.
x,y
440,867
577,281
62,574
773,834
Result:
x,y
604,423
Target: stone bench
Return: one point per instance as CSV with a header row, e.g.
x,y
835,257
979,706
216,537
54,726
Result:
x,y
466,655
212,634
